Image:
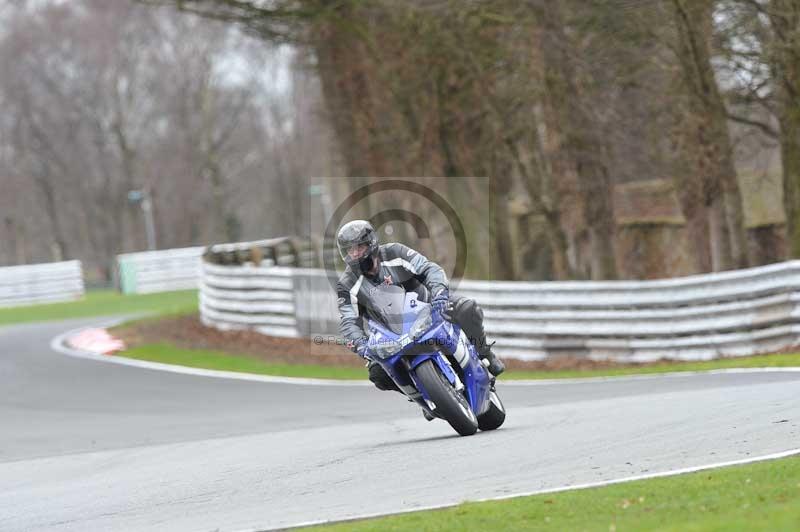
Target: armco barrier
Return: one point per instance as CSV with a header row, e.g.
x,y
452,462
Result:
x,y
281,251
179,269
248,297
159,271
252,285
707,316
41,283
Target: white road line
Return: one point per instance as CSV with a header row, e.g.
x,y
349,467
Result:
x,y
673,472
59,344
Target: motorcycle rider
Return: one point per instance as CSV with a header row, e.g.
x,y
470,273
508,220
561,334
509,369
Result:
x,y
370,264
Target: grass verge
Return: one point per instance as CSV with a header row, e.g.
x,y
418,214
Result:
x,y
220,360
206,359
104,302
760,496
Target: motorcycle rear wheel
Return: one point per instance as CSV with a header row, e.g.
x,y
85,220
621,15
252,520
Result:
x,y
450,404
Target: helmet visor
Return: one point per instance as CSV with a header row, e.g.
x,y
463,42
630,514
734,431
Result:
x,y
353,251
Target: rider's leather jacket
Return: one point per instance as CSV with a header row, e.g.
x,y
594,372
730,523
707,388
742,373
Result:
x,y
399,265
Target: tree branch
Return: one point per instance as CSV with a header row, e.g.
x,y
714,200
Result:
x,y
763,126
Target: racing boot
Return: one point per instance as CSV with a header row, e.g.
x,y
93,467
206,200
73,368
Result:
x,y
428,417
496,366
380,378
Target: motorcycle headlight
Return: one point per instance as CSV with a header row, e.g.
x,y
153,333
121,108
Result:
x,y
386,348
422,323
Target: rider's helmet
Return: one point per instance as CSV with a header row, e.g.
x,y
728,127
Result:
x,y
358,244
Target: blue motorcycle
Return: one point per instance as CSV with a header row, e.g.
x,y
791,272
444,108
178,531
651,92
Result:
x,y
432,361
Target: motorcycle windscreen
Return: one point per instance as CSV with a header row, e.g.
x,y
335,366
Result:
x,y
387,302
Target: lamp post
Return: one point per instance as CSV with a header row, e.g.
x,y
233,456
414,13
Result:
x,y
324,200
142,197
325,206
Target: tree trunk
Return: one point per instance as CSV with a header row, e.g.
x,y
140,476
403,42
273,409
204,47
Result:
x,y
691,197
719,235
504,267
346,72
790,157
582,142
709,118
538,182
16,241
785,19
60,249
344,75
767,243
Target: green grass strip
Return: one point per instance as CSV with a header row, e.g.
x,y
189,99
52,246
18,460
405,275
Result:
x,y
200,358
104,302
760,496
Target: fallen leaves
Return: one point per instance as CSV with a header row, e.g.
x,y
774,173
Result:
x,y
627,503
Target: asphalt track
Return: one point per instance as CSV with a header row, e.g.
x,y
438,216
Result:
x,y
86,445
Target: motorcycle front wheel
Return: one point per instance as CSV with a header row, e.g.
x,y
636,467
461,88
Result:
x,y
450,404
495,415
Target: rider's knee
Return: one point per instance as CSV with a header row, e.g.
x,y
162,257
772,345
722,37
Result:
x,y
467,309
469,315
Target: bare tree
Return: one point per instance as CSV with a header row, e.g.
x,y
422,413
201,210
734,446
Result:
x,y
105,98
706,120
768,52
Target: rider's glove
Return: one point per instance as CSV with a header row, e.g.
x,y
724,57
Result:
x,y
360,347
441,302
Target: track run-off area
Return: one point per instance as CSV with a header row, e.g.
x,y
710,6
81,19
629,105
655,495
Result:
x,y
88,445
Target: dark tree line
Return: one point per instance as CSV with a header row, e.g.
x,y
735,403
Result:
x,y
536,95
103,98
622,138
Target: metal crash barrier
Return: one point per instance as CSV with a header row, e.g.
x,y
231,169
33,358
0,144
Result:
x,y
41,283
700,317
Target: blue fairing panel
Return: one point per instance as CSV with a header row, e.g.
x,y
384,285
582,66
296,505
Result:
x,y
442,339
